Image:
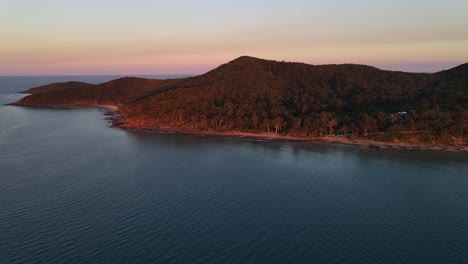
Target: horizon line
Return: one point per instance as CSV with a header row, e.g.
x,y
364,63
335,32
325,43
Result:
x,y
379,66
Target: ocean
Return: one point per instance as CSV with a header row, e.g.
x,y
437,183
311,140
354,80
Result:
x,y
74,190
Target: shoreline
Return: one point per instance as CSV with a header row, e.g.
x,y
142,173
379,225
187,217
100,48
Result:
x,y
116,121
362,143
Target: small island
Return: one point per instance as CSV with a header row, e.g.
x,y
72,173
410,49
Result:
x,y
251,97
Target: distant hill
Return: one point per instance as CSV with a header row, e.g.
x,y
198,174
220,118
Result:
x,y
115,92
57,86
296,99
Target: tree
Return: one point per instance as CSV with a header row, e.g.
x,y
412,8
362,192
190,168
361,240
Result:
x,y
331,124
266,124
279,124
461,123
365,122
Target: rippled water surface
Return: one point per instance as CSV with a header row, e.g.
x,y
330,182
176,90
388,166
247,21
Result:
x,y
73,190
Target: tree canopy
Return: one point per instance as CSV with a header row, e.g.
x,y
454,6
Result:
x,y
261,96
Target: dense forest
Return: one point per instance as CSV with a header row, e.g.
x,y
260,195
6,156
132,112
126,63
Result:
x,y
284,98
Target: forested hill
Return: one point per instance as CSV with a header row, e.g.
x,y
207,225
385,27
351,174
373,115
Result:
x,y
57,86
115,92
261,96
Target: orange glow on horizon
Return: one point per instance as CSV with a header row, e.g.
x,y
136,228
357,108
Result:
x,y
126,39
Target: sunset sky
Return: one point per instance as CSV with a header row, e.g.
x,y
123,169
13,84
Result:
x,y
57,37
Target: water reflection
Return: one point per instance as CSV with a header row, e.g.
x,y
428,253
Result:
x,y
297,150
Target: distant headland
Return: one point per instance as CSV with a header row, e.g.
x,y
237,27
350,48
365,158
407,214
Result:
x,y
251,97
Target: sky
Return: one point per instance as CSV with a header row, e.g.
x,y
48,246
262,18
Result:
x,y
69,37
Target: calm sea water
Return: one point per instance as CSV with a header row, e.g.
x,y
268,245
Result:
x,y
73,190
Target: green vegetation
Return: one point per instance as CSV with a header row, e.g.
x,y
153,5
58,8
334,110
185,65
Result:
x,y
260,96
